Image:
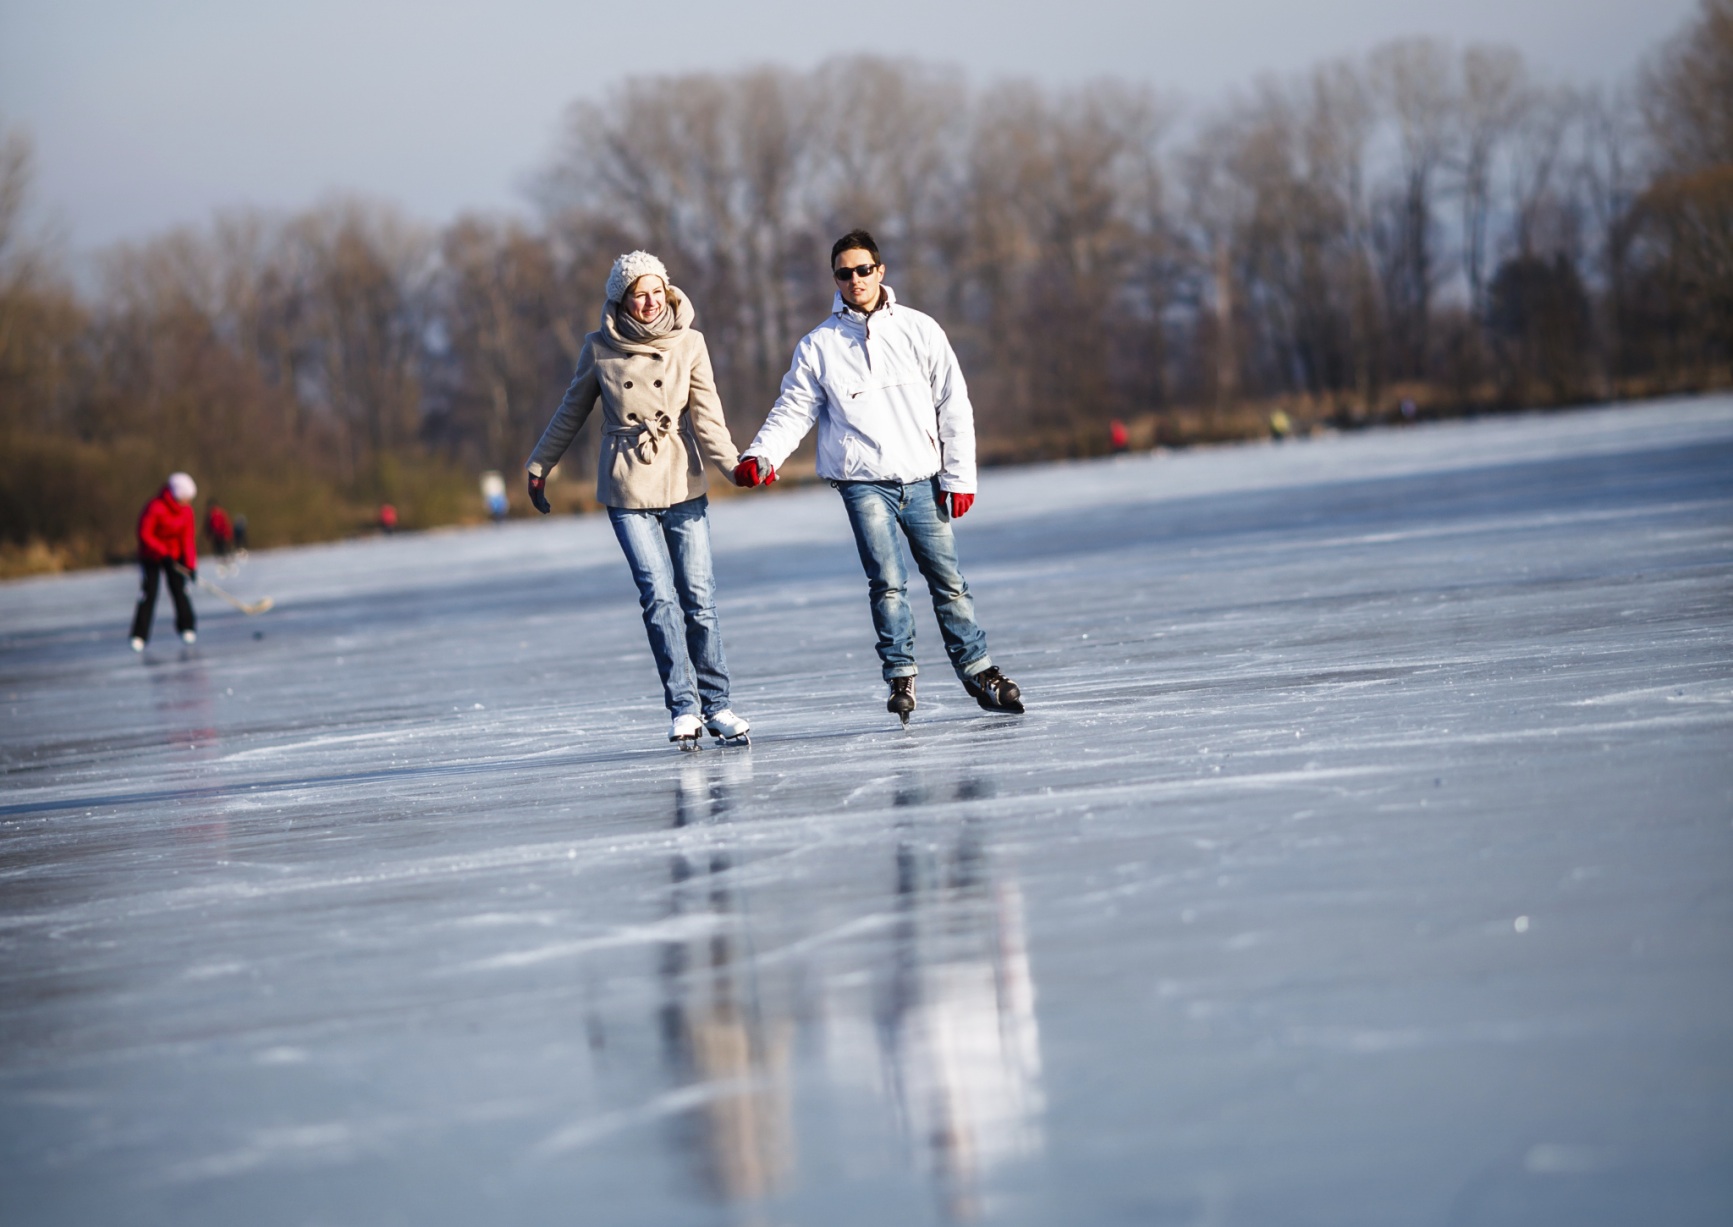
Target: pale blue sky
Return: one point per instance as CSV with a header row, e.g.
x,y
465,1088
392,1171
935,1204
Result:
x,y
148,113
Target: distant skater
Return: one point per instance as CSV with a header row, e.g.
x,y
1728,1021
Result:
x,y
661,419
896,436
220,532
166,550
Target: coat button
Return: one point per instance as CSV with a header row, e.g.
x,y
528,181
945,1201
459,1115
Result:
x,y
658,383
628,383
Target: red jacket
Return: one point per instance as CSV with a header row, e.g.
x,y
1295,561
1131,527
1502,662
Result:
x,y
165,530
218,524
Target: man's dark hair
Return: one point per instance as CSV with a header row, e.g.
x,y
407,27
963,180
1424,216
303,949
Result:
x,y
850,241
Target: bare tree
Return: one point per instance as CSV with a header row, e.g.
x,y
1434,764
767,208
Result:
x,y
1608,183
889,147
1218,208
711,173
1687,93
1415,80
40,319
499,299
362,272
1543,213
1686,214
1495,97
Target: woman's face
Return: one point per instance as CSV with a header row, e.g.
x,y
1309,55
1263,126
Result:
x,y
646,298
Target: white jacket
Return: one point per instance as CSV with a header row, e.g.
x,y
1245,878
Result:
x,y
888,397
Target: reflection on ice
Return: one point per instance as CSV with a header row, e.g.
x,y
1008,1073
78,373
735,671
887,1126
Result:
x,y
958,1018
951,1011
1363,858
719,1031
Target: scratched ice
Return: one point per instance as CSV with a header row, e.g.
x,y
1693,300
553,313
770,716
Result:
x,y
1365,858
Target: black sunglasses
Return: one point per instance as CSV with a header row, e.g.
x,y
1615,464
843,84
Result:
x,y
863,271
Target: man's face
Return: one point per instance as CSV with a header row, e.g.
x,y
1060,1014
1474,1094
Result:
x,y
861,293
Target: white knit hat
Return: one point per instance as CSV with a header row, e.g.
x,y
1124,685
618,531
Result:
x,y
628,268
182,487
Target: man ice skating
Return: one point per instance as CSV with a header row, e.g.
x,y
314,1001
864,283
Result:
x,y
896,436
166,550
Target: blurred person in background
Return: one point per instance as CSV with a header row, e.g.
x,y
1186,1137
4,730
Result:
x,y
649,368
220,532
167,551
896,436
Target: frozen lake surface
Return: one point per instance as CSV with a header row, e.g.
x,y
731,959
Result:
x,y
1365,857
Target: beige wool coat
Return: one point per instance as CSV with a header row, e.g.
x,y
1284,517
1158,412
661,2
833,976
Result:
x,y
661,416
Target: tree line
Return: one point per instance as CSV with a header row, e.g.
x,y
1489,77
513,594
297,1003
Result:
x,y
1425,224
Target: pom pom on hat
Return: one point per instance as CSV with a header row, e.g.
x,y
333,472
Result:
x,y
182,487
628,268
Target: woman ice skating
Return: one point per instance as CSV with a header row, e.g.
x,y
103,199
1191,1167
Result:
x,y
166,549
661,420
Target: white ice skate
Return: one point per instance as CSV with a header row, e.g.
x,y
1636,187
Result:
x,y
685,731
189,636
729,729
137,644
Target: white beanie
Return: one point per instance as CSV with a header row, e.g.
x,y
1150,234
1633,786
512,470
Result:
x,y
628,268
182,487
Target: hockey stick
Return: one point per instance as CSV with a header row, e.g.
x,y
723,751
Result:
x,y
247,607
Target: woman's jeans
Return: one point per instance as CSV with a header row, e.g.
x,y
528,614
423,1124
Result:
x,y
876,509
669,552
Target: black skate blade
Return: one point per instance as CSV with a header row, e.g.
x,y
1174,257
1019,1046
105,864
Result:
x,y
904,717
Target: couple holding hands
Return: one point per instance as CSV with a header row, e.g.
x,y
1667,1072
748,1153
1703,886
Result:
x,y
896,437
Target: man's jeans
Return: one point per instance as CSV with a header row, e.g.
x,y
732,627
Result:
x,y
875,510
669,552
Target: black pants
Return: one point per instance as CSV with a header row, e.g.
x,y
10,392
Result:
x,y
177,588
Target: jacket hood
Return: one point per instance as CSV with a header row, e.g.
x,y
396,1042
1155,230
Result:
x,y
683,317
839,307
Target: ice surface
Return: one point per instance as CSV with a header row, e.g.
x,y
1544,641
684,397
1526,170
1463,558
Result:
x,y
1366,857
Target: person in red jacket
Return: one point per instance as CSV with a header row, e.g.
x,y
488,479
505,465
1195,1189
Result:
x,y
220,531
166,548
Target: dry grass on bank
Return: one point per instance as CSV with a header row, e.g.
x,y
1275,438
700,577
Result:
x,y
79,504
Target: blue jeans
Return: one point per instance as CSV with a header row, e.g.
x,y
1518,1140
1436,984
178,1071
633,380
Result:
x,y
876,509
668,549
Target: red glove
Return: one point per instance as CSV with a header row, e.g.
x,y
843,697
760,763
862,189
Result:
x,y
748,472
960,504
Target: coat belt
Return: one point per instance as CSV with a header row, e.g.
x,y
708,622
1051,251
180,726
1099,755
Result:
x,y
646,437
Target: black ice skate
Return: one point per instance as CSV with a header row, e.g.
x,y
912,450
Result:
x,y
902,700
994,691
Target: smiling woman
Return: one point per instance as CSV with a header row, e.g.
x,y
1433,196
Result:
x,y
649,370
